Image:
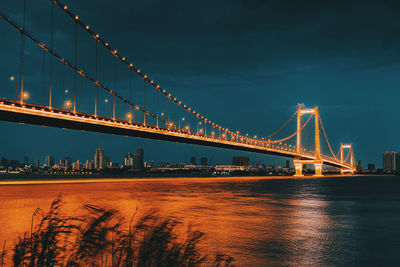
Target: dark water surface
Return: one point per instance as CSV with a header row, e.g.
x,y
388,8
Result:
x,y
341,221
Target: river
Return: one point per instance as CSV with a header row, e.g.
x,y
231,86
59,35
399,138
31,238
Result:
x,y
337,221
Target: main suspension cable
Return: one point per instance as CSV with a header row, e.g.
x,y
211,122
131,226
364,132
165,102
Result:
x,y
290,136
326,138
269,136
73,67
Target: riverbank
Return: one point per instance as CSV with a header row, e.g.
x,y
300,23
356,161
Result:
x,y
78,180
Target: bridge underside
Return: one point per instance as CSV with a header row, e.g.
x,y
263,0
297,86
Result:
x,y
82,126
40,115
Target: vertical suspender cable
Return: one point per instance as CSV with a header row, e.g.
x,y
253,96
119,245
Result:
x,y
21,74
96,97
51,47
43,76
157,107
80,95
179,117
115,85
144,101
130,93
63,86
75,60
169,111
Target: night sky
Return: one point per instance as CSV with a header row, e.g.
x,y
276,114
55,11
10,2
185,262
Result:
x,y
243,64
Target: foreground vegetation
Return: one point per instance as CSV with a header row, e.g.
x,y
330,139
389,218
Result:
x,y
100,237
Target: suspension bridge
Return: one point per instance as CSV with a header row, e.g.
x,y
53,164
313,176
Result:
x,y
66,103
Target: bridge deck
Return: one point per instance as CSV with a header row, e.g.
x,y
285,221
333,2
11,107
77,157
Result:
x,y
13,111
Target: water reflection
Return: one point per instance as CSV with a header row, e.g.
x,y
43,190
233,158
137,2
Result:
x,y
258,221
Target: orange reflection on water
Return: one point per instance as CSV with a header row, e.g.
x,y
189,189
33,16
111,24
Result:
x,y
239,219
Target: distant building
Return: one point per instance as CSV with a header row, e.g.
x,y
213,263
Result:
x,y
100,160
89,165
76,166
129,160
26,160
49,161
139,162
203,161
193,160
36,163
229,168
359,166
391,161
371,166
3,162
68,162
240,161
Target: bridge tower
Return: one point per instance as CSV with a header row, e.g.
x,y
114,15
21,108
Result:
x,y
298,162
350,154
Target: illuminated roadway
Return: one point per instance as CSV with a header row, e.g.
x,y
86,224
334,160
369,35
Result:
x,y
13,111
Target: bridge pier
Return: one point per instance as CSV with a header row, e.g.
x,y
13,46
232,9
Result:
x,y
298,166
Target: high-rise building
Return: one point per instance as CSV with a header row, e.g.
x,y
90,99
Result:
x,y
49,162
240,161
68,162
88,165
129,160
203,161
36,163
100,160
139,163
391,161
359,166
76,166
26,160
193,160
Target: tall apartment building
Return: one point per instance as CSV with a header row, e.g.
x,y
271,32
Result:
x,y
49,161
100,160
391,161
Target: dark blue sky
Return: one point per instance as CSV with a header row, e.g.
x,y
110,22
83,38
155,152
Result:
x,y
244,64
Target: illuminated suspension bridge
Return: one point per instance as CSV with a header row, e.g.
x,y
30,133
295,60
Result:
x,y
66,108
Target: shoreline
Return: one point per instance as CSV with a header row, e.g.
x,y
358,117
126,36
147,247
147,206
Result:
x,y
151,179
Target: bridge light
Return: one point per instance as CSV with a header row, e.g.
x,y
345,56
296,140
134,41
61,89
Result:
x,y
65,7
106,100
66,91
87,27
68,103
212,133
76,17
183,118
162,113
129,115
25,95
187,127
12,78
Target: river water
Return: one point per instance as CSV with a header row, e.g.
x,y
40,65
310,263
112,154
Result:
x,y
338,221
